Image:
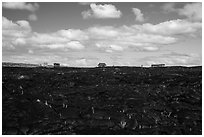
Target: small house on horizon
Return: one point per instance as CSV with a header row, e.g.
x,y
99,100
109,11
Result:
x,y
158,65
101,65
56,65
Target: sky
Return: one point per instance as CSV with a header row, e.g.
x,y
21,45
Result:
x,y
118,33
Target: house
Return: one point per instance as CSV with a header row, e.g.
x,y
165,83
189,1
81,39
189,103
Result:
x,y
158,65
101,65
56,65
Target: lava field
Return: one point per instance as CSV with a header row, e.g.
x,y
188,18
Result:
x,y
102,101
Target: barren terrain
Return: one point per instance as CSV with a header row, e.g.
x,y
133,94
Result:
x,y
112,100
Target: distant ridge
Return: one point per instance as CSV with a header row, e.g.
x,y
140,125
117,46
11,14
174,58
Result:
x,y
11,64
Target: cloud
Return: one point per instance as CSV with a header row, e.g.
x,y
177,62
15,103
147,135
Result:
x,y
73,34
102,11
108,47
76,45
109,51
20,33
144,37
115,47
173,27
7,45
45,38
32,17
192,11
150,48
127,35
103,32
20,25
14,33
148,38
85,3
55,41
32,7
139,15
19,41
67,39
30,51
21,6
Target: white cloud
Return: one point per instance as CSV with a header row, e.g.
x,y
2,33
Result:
x,y
85,3
192,11
44,38
73,34
139,15
69,45
126,36
30,51
148,38
20,25
19,41
21,6
153,48
20,33
145,37
115,47
32,17
75,45
108,47
32,7
102,11
103,32
24,24
7,45
68,39
86,14
109,51
14,33
54,41
172,27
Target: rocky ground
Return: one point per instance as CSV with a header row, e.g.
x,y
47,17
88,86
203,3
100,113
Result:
x,y
113,100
